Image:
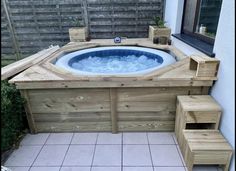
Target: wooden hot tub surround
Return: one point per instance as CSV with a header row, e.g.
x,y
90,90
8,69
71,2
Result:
x,y
58,101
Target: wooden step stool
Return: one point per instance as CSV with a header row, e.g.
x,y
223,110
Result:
x,y
206,147
195,112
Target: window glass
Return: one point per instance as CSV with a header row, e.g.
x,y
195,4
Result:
x,y
208,17
201,18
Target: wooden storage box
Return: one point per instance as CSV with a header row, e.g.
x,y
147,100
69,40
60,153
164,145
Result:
x,y
195,112
204,66
158,32
205,147
78,34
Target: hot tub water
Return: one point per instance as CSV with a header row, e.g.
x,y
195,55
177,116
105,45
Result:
x,y
115,60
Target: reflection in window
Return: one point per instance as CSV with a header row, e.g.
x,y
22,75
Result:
x,y
208,17
201,18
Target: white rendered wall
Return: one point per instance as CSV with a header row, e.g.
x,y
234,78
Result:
x,y
173,14
224,88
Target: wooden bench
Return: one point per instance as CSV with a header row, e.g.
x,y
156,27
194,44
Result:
x,y
195,112
205,147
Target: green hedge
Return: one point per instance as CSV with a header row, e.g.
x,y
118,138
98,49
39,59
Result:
x,y
13,118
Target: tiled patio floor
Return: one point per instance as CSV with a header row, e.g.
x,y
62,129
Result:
x,y
99,152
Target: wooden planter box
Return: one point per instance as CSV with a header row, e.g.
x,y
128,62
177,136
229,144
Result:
x,y
78,34
158,32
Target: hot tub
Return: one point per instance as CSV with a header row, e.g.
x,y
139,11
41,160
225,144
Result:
x,y
61,98
115,60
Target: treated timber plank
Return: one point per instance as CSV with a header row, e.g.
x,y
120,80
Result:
x,y
25,63
163,70
145,106
147,116
154,94
146,125
113,104
203,117
66,107
69,95
199,103
36,72
72,117
104,84
73,126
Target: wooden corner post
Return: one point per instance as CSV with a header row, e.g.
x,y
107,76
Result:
x,y
28,111
113,103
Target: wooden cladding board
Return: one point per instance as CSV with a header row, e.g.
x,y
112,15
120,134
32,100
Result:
x,y
93,109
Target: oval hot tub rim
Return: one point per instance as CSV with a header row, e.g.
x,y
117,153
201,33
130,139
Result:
x,y
163,57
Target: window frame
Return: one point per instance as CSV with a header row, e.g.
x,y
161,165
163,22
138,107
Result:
x,y
192,34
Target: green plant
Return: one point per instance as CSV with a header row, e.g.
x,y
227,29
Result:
x,y
13,118
159,22
77,22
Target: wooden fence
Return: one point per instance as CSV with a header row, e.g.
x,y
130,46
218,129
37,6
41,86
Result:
x,y
28,26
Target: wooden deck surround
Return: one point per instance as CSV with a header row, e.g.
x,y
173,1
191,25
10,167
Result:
x,y
58,101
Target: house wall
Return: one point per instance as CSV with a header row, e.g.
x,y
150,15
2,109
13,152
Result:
x,y
224,88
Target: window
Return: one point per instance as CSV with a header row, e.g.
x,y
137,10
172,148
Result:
x,y
201,18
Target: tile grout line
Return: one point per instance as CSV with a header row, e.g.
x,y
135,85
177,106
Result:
x,y
39,151
150,151
180,155
172,135
66,151
94,151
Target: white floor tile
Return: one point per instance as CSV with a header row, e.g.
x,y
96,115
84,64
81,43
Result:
x,y
136,155
59,138
34,139
109,138
84,138
160,138
19,168
137,169
75,169
165,155
106,169
107,155
51,155
44,169
135,138
169,169
79,155
23,156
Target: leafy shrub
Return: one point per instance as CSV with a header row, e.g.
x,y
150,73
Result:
x,y
159,22
13,118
